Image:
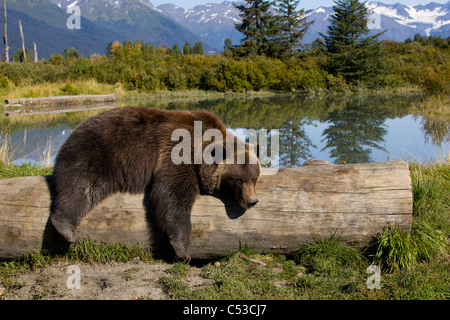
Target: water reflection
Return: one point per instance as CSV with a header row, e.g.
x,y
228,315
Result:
x,y
347,129
353,133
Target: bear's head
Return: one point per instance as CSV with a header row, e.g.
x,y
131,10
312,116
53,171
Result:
x,y
238,182
235,176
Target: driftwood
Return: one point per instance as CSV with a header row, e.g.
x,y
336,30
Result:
x,y
63,100
296,206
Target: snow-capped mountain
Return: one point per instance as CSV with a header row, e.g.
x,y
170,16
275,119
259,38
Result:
x,y
133,20
215,22
115,4
430,19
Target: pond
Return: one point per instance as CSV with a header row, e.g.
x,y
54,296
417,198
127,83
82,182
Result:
x,y
349,129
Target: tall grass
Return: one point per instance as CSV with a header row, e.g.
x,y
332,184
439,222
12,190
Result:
x,y
395,249
431,190
9,170
62,88
5,146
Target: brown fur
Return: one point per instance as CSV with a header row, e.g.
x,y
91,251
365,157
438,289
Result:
x,y
129,150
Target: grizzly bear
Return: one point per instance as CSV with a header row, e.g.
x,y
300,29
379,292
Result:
x,y
130,150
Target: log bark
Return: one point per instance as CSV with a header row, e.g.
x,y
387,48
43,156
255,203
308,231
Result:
x,y
63,100
297,206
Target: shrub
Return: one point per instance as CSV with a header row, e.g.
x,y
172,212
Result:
x,y
311,78
395,249
436,83
4,83
56,59
70,90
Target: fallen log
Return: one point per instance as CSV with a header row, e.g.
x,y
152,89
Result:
x,y
296,206
62,100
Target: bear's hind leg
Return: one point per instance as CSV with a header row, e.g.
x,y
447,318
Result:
x,y
68,210
65,227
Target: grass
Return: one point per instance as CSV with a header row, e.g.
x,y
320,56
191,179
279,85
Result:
x,y
48,89
431,189
394,249
92,87
93,252
413,265
24,170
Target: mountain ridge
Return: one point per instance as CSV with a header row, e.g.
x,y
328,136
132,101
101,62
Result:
x,y
52,35
104,21
400,21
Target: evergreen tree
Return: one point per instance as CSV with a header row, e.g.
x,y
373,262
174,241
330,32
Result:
x,y
228,44
187,48
257,26
18,56
351,54
198,48
72,53
292,25
175,49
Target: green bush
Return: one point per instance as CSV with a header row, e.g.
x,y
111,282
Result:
x,y
70,90
138,66
436,83
395,249
4,83
311,78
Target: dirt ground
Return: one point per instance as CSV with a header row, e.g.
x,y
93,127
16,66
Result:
x,y
111,281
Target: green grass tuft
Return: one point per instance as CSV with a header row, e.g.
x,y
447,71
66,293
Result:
x,y
8,171
395,249
94,252
431,190
327,255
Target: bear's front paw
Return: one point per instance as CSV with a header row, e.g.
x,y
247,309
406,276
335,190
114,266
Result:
x,y
182,251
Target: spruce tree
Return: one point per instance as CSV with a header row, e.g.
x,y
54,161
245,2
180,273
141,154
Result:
x,y
198,48
187,48
292,25
256,26
352,53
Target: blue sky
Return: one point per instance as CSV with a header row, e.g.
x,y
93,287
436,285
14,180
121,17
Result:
x,y
307,4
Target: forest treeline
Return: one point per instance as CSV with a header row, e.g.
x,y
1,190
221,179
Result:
x,y
417,63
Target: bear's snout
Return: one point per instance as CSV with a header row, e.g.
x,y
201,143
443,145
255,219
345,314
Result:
x,y
252,202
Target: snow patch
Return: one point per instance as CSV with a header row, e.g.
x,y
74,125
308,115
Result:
x,y
320,10
72,4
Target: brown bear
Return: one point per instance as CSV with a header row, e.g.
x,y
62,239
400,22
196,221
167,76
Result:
x,y
131,150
